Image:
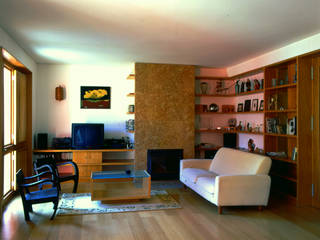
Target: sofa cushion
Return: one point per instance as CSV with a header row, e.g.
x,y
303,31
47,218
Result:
x,y
229,161
207,183
192,174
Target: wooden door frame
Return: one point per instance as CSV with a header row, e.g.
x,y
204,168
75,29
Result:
x,y
7,59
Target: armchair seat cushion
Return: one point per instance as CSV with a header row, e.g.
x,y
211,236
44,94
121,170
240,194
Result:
x,y
193,174
45,193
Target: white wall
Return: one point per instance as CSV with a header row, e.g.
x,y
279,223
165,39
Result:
x,y
55,117
15,50
292,50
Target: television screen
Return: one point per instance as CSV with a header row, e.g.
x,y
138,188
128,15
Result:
x,y
87,135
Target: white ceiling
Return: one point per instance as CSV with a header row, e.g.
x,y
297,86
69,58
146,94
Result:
x,y
217,33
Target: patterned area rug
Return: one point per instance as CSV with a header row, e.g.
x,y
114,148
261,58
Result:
x,y
162,185
80,203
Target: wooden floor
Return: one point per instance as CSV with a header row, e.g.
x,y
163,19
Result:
x,y
198,219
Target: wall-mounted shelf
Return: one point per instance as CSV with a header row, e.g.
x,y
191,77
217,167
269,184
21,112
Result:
x,y
251,112
130,94
226,131
211,78
131,77
230,95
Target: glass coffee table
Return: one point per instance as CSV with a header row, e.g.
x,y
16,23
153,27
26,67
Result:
x,y
120,185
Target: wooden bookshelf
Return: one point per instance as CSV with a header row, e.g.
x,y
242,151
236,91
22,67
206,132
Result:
x,y
297,88
281,107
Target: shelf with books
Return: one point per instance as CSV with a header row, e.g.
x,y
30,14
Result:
x,y
280,114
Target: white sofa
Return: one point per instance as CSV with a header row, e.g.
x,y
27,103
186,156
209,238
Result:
x,y
231,178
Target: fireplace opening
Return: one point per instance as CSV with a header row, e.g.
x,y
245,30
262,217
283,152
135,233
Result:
x,y
164,164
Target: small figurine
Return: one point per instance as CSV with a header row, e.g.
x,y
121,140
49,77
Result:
x,y
251,145
239,127
249,128
242,87
248,85
256,84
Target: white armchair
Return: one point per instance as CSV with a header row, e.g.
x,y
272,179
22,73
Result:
x,y
231,178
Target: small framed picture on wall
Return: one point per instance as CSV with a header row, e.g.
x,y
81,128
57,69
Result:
x,y
240,107
255,105
261,108
247,105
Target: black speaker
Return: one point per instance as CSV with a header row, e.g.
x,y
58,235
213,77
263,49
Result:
x,y
42,141
230,140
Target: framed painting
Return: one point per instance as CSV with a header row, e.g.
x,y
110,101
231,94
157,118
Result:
x,y
95,97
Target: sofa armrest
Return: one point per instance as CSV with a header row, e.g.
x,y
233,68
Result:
x,y
195,163
242,190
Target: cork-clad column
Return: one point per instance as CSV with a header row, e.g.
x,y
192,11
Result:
x,y
164,109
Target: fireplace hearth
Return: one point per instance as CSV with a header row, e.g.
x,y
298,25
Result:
x,y
164,164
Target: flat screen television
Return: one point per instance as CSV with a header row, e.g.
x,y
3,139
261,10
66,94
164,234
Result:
x,y
87,135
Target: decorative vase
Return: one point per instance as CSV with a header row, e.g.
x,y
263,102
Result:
x,y
204,87
237,87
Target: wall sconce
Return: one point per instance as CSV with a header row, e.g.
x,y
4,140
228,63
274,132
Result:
x,y
59,93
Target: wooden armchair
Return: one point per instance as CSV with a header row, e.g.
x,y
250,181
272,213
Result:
x,y
61,176
40,196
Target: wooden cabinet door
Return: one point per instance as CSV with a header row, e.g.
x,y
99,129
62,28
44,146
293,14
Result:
x,y
87,161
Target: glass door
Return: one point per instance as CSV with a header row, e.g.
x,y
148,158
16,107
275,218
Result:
x,y
9,128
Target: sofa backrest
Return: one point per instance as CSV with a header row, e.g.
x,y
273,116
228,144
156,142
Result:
x,y
229,161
